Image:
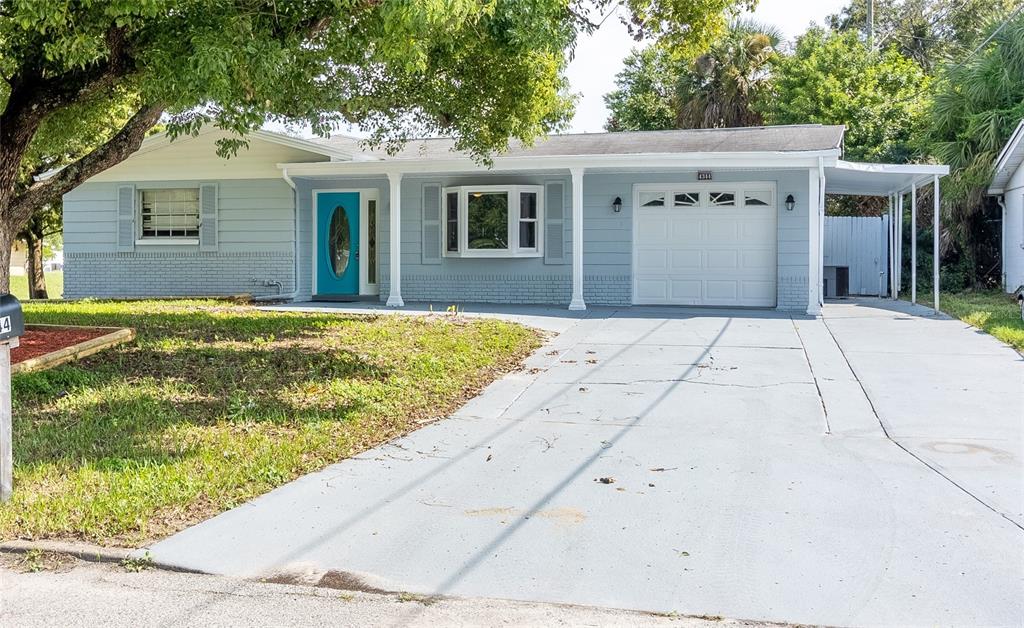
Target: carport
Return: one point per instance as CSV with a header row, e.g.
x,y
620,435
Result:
x,y
894,182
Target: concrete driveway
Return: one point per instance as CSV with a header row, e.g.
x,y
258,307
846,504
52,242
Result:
x,y
864,468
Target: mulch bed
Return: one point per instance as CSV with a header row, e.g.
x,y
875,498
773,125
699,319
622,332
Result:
x,y
37,342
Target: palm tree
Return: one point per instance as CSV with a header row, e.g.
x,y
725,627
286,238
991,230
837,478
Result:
x,y
718,87
978,103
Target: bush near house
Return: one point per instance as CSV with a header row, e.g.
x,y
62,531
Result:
x,y
217,403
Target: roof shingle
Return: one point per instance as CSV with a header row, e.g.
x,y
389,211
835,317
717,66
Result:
x,y
807,137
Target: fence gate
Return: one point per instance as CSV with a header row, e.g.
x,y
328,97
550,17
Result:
x,y
856,256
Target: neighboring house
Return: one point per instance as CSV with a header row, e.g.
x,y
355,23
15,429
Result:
x,y
1008,187
724,217
55,263
19,258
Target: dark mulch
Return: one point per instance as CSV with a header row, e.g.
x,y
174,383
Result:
x,y
38,341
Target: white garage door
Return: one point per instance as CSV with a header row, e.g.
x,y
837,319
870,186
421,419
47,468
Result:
x,y
705,245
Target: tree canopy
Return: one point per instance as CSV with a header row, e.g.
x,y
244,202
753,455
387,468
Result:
x,y
664,87
644,98
833,78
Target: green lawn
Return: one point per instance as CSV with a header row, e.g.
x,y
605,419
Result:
x,y
993,311
54,285
216,403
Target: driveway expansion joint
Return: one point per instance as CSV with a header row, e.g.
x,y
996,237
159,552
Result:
x,y
906,450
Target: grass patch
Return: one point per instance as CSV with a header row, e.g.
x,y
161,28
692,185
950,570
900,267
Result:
x,y
215,403
54,285
992,311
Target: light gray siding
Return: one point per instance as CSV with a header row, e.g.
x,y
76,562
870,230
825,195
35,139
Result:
x,y
256,227
607,241
255,244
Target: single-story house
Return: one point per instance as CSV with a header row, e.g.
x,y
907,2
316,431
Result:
x,y
723,217
1008,187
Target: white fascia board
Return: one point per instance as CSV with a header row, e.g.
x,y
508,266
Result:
x,y
922,169
751,160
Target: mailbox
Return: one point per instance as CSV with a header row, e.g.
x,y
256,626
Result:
x,y
12,321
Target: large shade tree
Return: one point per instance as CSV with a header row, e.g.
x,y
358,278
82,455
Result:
x,y
645,91
481,71
833,78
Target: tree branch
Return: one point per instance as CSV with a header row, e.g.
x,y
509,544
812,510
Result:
x,y
111,153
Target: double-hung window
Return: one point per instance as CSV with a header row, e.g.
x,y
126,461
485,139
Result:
x,y
169,214
493,221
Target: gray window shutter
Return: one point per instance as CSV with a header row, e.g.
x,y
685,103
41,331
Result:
x,y
208,217
431,252
554,223
126,218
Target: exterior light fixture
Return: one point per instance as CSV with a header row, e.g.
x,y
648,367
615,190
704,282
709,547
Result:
x,y
617,205
790,203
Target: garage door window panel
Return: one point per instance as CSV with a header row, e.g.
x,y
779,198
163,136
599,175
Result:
x,y
687,199
652,199
757,198
722,199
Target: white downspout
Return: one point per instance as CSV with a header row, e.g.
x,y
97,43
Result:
x,y
295,247
1001,199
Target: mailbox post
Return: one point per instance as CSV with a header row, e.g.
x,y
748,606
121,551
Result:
x,y
12,326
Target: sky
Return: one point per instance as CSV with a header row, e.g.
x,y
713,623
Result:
x,y
599,56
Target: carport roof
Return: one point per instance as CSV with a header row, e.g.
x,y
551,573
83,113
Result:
x,y
863,179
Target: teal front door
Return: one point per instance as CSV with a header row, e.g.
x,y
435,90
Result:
x,y
337,243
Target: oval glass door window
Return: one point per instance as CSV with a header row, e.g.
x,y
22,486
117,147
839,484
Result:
x,y
339,241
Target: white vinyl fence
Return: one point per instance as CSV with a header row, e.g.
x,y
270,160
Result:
x,y
856,259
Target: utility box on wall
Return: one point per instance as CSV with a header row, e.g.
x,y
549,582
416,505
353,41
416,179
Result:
x,y
856,256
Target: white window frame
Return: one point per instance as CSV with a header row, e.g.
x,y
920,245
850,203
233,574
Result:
x,y
514,219
167,240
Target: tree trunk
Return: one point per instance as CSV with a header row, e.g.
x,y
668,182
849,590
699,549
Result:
x,y
7,237
34,244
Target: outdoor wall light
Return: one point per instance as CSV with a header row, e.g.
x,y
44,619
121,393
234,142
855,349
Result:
x,y
790,203
617,205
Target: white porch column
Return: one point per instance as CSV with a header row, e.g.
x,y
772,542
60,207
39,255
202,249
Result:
x,y
814,269
899,245
913,243
577,302
395,217
892,256
935,246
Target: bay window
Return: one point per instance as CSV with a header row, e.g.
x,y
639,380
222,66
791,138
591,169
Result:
x,y
493,221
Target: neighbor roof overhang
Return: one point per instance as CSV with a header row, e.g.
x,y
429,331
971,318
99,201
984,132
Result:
x,y
1008,161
